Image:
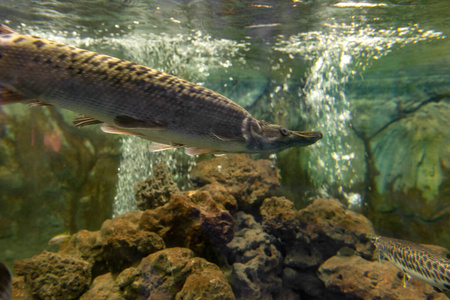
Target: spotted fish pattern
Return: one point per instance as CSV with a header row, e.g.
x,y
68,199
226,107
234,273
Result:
x,y
416,260
128,98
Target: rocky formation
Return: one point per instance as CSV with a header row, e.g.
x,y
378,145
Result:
x,y
364,279
248,181
155,190
53,276
201,244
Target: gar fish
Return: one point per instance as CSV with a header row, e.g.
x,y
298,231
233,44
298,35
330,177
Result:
x,y
416,261
132,99
5,283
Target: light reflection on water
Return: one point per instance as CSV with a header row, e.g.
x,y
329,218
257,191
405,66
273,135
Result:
x,y
335,57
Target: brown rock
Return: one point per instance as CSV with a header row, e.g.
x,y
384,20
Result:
x,y
155,190
126,243
328,227
103,287
249,181
19,289
220,194
175,273
192,222
205,281
84,244
53,276
280,218
363,279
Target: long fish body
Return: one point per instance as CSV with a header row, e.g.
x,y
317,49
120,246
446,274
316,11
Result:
x,y
132,99
417,261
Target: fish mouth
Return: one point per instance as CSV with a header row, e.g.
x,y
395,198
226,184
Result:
x,y
305,138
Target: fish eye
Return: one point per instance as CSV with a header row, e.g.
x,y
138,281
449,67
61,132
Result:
x,y
284,131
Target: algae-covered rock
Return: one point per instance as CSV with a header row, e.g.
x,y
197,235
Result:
x,y
194,222
53,276
175,273
103,287
248,181
155,190
256,262
126,243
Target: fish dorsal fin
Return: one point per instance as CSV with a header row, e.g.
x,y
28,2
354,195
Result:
x,y
5,29
131,122
108,128
156,147
192,151
8,96
85,121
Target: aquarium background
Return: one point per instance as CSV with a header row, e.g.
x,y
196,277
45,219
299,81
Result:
x,y
373,77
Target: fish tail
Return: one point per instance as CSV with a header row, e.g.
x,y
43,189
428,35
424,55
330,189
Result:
x,y
5,283
5,29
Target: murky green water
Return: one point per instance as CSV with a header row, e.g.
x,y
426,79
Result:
x,y
373,77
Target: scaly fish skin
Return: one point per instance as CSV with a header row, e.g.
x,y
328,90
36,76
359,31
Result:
x,y
133,99
416,260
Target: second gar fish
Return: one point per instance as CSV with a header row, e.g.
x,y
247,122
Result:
x,y
416,261
132,99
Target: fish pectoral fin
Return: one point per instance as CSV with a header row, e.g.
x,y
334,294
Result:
x,y
131,122
37,103
225,138
108,128
406,279
156,147
8,96
85,121
192,151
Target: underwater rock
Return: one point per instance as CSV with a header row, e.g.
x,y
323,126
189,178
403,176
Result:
x,y
103,287
358,278
281,219
175,273
195,222
53,276
155,190
220,195
317,232
117,245
256,262
248,181
126,243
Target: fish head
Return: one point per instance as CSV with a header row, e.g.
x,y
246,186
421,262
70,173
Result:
x,y
271,138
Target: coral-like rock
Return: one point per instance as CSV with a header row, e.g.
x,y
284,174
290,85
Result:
x,y
314,234
249,181
220,195
175,273
103,287
256,262
53,276
155,190
358,278
281,219
119,244
193,222
126,243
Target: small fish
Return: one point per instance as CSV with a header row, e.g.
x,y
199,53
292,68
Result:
x,y
60,238
416,261
5,283
128,98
